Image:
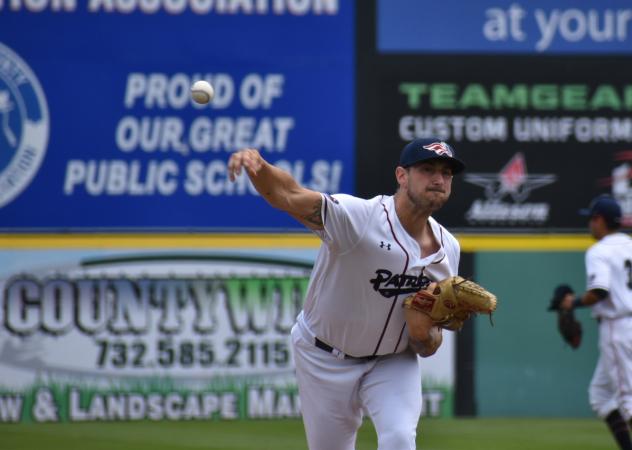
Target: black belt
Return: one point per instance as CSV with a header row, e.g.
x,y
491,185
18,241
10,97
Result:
x,y
329,349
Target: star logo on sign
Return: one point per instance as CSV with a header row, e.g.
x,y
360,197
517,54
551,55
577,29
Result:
x,y
512,180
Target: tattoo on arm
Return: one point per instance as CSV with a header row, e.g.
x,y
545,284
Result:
x,y
314,216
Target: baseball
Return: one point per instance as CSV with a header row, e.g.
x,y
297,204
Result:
x,y
202,92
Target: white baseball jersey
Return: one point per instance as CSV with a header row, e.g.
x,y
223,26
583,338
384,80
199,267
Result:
x,y
609,267
368,264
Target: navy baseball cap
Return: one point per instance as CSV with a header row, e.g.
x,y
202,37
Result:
x,y
604,206
426,149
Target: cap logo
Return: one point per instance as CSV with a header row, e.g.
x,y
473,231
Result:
x,y
440,148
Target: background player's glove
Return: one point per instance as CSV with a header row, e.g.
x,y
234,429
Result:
x,y
452,302
567,324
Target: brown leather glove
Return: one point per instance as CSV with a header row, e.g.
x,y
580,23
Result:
x,y
452,302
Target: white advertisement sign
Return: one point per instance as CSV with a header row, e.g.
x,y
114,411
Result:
x,y
175,335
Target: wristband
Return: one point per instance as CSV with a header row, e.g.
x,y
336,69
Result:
x,y
577,303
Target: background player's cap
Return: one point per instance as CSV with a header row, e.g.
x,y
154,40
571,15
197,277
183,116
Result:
x,y
604,206
421,150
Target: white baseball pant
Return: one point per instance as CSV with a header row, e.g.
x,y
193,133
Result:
x,y
335,393
611,384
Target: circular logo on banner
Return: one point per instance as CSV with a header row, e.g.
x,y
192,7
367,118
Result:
x,y
24,125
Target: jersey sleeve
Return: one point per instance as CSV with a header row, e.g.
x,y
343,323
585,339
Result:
x,y
597,270
345,219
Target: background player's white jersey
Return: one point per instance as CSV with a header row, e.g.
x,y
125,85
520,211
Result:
x,y
609,267
354,301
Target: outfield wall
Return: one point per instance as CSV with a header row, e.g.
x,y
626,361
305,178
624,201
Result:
x,y
159,327
523,368
208,340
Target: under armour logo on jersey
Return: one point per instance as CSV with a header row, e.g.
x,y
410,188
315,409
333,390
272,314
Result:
x,y
440,148
382,245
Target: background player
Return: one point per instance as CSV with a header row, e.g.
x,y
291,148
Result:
x,y
352,346
609,293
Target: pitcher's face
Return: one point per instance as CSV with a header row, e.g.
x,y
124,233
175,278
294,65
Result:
x,y
428,184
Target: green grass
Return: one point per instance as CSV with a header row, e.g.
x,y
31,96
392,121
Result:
x,y
434,434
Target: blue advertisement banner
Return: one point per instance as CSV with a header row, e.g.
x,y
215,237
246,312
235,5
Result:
x,y
98,129
505,26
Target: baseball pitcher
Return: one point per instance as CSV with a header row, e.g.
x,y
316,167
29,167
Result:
x,y
383,287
